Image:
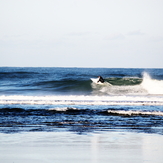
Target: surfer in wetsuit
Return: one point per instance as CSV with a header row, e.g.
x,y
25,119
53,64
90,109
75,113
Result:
x,y
100,79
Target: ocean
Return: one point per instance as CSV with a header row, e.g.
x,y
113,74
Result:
x,y
65,99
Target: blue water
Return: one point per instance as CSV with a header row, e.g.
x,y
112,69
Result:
x,y
54,99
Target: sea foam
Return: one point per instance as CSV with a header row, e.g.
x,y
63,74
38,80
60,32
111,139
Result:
x,y
152,86
82,100
135,113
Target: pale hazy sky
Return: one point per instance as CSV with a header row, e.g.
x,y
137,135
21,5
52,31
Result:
x,y
81,33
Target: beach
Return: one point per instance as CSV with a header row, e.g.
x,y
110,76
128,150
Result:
x,y
61,147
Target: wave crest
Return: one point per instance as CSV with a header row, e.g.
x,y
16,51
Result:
x,y
152,86
135,113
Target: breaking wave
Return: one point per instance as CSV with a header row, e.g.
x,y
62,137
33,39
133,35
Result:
x,y
77,111
152,86
130,86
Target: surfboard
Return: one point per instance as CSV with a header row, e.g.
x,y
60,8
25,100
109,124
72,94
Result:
x,y
95,80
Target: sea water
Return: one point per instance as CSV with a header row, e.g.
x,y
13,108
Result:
x,y
57,99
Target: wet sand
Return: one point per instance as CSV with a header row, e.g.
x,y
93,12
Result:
x,y
68,147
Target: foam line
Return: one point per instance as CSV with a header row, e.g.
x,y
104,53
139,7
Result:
x,y
130,112
82,100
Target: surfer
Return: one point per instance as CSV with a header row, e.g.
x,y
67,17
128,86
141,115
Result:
x,y
100,79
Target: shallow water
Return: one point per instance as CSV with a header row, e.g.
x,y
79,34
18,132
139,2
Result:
x,y
81,118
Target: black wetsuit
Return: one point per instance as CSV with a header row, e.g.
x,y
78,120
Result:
x,y
101,79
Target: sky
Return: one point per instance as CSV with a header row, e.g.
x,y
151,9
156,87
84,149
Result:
x,y
81,33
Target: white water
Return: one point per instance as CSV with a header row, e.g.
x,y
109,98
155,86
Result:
x,y
82,100
152,86
131,112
